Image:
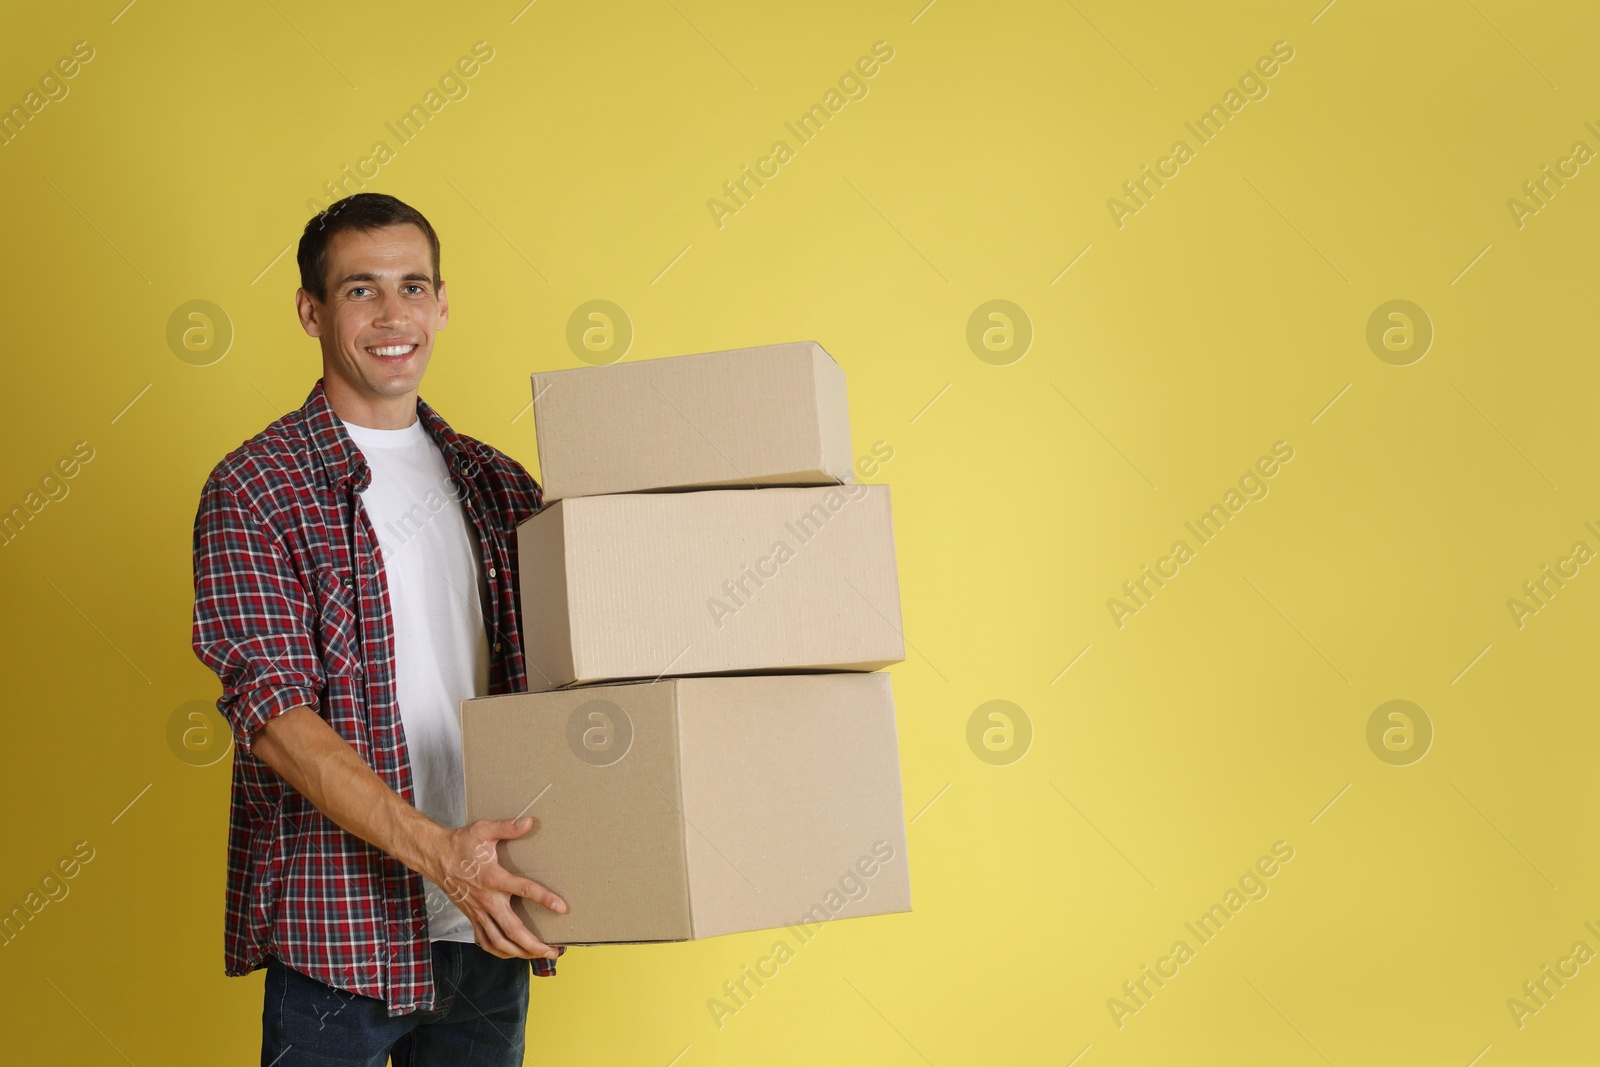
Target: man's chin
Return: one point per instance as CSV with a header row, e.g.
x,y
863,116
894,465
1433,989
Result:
x,y
394,379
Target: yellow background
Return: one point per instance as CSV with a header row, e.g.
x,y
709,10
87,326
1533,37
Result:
x,y
1224,316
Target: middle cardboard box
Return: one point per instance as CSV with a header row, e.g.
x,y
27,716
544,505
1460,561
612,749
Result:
x,y
641,585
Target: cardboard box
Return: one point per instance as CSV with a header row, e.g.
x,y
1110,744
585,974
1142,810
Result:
x,y
641,585
773,415
692,807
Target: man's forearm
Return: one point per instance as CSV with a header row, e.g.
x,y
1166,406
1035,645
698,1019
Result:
x,y
313,758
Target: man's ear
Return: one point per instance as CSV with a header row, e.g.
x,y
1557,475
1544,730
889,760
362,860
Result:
x,y
306,308
444,309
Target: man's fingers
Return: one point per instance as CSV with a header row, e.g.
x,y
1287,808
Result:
x,y
534,891
488,901
518,933
503,881
505,933
492,830
492,940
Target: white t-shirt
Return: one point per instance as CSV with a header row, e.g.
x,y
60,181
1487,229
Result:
x,y
432,564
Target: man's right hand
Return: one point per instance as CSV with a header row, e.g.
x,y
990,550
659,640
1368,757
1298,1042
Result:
x,y
465,864
319,763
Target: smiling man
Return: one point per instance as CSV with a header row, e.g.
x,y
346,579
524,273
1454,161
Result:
x,y
355,577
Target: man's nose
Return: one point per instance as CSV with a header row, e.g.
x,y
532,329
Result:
x,y
390,310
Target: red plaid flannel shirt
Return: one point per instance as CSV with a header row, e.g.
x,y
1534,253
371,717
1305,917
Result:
x,y
291,607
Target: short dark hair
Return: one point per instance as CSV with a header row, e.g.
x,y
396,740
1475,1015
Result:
x,y
364,212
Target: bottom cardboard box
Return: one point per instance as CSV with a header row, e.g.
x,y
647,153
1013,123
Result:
x,y
685,808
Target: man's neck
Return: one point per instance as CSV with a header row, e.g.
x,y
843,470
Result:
x,y
377,413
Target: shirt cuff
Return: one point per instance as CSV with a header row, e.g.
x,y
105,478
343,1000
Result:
x,y
262,703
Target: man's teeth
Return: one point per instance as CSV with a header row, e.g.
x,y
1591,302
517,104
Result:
x,y
392,350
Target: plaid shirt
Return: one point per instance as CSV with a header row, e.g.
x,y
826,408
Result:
x,y
291,607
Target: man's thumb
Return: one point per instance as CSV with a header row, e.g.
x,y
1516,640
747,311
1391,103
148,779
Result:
x,y
515,827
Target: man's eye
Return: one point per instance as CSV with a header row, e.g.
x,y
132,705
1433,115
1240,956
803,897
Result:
x,y
357,289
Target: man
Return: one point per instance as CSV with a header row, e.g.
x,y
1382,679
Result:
x,y
356,577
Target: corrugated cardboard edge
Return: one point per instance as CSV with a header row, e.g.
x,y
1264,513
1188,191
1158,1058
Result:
x,y
905,847
832,413
899,624
461,732
678,802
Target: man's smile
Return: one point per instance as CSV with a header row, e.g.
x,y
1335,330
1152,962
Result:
x,y
391,351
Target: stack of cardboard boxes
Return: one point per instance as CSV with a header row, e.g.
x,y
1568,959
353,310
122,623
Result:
x,y
703,598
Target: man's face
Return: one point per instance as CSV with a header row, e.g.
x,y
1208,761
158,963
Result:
x,y
377,324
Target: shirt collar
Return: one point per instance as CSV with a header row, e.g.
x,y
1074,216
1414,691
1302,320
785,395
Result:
x,y
343,459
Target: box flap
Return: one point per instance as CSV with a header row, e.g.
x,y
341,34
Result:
x,y
542,553
817,757
598,769
833,414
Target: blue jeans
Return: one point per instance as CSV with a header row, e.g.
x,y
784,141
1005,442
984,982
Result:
x,y
479,1019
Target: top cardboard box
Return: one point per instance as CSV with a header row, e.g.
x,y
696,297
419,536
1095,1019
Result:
x,y
771,415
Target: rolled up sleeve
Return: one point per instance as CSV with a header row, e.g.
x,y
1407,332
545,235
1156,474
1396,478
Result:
x,y
254,624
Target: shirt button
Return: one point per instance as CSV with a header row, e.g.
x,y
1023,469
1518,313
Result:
x,y
492,572
497,646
